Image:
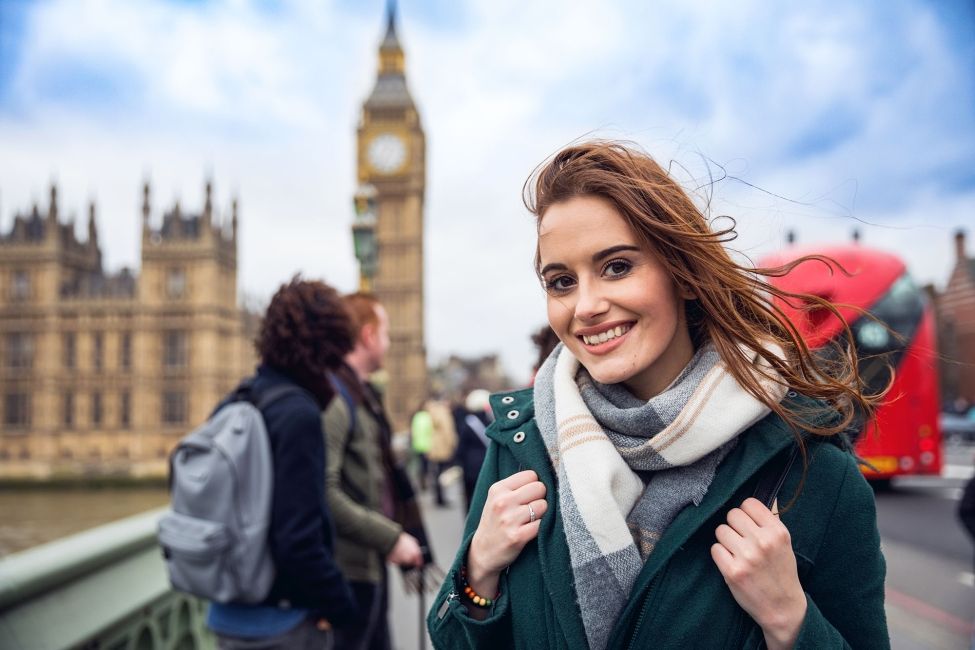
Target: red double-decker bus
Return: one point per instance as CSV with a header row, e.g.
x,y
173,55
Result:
x,y
904,437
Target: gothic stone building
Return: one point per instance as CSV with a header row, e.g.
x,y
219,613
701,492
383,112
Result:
x,y
100,373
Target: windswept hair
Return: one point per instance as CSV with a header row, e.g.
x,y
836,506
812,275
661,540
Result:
x,y
731,305
305,333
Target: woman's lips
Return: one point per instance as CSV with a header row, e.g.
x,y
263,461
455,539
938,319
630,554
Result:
x,y
607,340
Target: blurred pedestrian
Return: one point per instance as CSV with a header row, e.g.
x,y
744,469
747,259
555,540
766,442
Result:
x,y
421,438
471,421
966,508
629,499
305,333
545,341
443,443
966,514
368,492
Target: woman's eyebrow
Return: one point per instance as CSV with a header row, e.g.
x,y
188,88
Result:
x,y
612,250
555,266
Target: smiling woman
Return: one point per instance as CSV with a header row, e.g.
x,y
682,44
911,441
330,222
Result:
x,y
616,507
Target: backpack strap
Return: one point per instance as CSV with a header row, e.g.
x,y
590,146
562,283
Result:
x,y
268,397
772,479
343,390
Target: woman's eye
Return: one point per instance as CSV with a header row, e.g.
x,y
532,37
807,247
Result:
x,y
617,268
558,284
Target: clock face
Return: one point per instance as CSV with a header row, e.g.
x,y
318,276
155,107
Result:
x,y
387,153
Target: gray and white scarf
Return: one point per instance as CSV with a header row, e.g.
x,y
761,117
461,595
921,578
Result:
x,y
626,467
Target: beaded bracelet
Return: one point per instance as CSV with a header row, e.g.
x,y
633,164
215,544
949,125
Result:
x,y
473,596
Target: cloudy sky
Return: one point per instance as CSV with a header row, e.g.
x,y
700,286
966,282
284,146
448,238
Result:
x,y
816,117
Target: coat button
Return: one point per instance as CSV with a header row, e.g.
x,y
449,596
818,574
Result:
x,y
507,399
792,393
512,414
520,436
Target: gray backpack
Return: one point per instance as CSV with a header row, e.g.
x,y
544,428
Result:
x,y
215,539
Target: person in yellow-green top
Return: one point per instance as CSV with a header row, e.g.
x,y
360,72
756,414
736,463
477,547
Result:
x,y
421,439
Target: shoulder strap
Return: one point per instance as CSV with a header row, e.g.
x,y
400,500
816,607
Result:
x,y
772,479
268,397
343,390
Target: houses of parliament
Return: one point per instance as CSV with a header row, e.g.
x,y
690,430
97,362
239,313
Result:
x,y
102,373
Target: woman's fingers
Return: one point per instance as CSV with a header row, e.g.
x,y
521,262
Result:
x,y
758,513
517,480
540,506
742,522
729,538
529,492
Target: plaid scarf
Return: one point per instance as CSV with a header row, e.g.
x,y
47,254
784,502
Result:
x,y
626,467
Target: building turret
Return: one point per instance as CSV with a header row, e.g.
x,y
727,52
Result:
x,y
92,226
145,207
233,221
52,210
208,207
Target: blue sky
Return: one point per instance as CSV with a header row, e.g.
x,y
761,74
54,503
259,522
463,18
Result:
x,y
816,117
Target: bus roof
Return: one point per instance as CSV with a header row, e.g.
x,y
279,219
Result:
x,y
871,274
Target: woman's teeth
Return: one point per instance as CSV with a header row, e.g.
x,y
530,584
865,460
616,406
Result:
x,y
608,335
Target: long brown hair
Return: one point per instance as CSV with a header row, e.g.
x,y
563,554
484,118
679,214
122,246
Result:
x,y
731,306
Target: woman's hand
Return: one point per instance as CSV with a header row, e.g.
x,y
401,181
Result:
x,y
504,529
754,554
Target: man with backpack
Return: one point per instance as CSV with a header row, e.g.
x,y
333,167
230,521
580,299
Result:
x,y
294,595
370,495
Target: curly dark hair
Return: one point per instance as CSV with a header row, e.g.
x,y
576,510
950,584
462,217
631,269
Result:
x,y
306,332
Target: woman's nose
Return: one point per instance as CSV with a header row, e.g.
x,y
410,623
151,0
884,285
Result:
x,y
591,302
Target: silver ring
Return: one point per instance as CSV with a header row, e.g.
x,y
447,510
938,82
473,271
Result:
x,y
531,514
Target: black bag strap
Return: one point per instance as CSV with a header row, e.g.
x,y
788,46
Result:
x,y
771,480
346,395
271,395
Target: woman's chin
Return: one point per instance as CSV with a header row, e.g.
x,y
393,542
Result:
x,y
606,374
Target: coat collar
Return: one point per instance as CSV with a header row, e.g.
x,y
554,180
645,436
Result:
x,y
517,432
514,414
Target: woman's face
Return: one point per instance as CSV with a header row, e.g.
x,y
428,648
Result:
x,y
611,302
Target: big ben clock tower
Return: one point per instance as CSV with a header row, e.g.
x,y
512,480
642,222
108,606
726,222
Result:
x,y
392,177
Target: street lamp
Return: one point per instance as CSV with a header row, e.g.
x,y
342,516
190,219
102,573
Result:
x,y
364,235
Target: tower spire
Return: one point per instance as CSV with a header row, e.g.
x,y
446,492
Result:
x,y
390,20
390,90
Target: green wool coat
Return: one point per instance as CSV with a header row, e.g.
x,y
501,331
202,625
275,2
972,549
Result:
x,y
680,599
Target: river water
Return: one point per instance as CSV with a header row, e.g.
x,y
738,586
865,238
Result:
x,y
33,516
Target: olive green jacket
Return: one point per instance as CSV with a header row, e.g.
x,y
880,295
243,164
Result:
x,y
354,480
680,599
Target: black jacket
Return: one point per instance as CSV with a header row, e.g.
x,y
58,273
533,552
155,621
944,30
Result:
x,y
302,534
470,448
